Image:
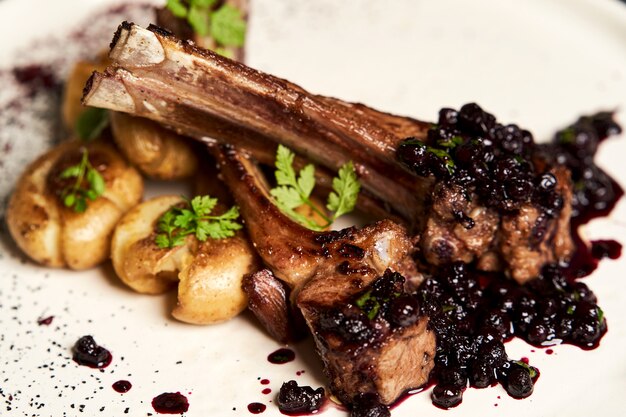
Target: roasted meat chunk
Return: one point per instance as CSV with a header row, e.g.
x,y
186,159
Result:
x,y
459,184
367,326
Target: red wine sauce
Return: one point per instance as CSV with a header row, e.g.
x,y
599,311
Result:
x,y
122,386
282,355
256,408
170,403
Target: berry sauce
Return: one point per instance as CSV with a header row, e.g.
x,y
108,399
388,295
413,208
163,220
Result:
x,y
88,353
256,408
472,312
299,400
122,386
601,249
170,403
280,356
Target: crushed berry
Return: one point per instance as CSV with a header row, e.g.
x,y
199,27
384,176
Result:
x,y
122,386
170,403
87,352
294,399
368,405
606,249
280,356
447,396
493,161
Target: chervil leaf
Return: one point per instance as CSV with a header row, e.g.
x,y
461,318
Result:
x,y
162,241
198,18
294,190
346,189
91,123
203,3
203,205
306,180
287,196
196,219
177,8
184,218
231,214
285,174
228,27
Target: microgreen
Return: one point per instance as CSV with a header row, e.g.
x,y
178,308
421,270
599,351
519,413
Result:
x,y
369,304
91,123
294,190
224,24
532,371
194,218
76,195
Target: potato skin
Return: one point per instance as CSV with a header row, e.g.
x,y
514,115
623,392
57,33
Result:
x,y
154,150
56,236
209,274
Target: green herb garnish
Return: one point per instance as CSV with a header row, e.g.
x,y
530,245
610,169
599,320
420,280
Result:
x,y
76,195
224,24
195,218
600,315
531,370
91,123
567,136
294,190
368,304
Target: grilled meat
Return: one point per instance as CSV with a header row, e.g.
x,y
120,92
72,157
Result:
x,y
211,98
330,274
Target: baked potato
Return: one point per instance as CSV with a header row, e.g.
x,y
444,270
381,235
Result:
x,y
55,235
208,274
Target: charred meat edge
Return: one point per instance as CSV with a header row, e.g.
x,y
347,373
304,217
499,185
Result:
x,y
206,96
309,262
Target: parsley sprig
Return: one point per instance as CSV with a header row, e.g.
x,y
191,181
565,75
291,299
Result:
x,y
224,24
294,190
194,218
89,184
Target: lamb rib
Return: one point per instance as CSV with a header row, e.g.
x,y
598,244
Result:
x,y
206,96
211,98
330,273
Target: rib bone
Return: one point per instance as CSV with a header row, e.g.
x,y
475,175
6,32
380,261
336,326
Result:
x,y
206,96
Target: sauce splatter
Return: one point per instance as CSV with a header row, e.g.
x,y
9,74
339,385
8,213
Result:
x,y
122,386
170,403
282,355
256,408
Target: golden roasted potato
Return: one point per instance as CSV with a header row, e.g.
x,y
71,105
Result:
x,y
58,236
209,274
72,106
156,151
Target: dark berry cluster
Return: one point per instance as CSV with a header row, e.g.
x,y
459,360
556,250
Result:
x,y
473,314
87,352
595,192
385,299
368,405
494,161
295,399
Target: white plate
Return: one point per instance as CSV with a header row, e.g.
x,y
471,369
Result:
x,y
537,63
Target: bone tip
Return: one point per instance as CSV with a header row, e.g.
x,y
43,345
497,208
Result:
x,y
88,87
158,30
123,27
